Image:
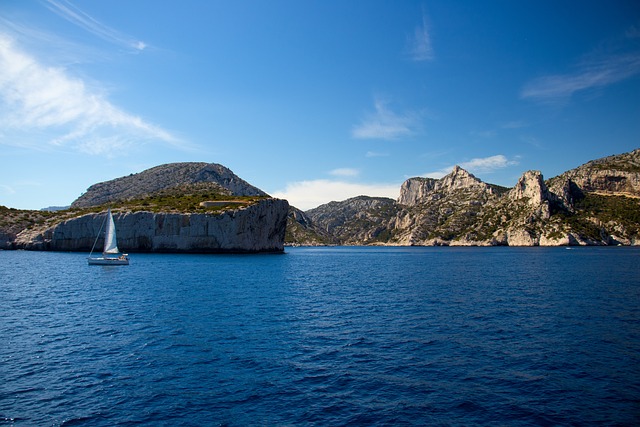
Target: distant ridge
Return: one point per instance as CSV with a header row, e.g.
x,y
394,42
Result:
x,y
164,177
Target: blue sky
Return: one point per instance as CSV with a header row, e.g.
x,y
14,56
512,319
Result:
x,y
311,101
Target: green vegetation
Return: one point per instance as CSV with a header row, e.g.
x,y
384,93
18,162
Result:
x,y
14,220
297,233
610,209
181,199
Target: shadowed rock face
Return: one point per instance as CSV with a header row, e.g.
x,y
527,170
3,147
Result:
x,y
163,177
256,228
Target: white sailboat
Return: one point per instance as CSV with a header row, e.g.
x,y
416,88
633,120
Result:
x,y
110,253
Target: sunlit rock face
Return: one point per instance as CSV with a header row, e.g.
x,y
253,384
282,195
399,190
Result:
x,y
594,204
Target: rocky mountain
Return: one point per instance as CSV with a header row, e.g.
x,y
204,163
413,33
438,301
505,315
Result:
x,y
164,177
595,204
180,207
360,220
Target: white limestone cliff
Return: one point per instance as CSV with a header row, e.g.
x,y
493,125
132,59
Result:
x,y
256,228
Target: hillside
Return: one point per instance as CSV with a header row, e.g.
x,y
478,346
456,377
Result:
x,y
212,176
597,203
360,220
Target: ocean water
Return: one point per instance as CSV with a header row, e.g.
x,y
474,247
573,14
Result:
x,y
323,337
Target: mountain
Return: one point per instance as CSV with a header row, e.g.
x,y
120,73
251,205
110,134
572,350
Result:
x,y
597,203
360,220
178,207
161,178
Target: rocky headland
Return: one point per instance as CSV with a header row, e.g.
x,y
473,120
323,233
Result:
x,y
597,203
180,207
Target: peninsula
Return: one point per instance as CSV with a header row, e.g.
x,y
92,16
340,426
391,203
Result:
x,y
178,207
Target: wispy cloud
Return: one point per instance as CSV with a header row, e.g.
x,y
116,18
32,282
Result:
x,y
376,154
484,133
310,194
76,16
531,140
344,172
419,47
7,189
35,96
386,124
478,165
514,124
597,70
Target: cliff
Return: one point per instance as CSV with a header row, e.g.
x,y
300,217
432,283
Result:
x,y
256,228
595,204
613,175
179,207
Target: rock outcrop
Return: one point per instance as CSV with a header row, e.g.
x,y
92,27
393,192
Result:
x,y
256,228
531,189
414,190
614,175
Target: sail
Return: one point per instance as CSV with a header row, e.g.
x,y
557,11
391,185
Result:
x,y
110,244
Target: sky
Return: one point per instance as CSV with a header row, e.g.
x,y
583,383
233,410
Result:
x,y
311,101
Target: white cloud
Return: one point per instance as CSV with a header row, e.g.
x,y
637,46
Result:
x,y
306,195
419,45
596,71
38,97
477,165
488,164
344,172
76,16
385,124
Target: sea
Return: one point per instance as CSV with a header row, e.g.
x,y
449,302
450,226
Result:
x,y
326,336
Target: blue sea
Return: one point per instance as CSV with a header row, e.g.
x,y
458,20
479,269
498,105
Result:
x,y
323,337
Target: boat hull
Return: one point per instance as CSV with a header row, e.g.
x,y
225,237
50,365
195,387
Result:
x,y
108,261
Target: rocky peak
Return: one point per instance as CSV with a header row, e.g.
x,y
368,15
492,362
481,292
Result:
x,y
457,179
530,186
416,190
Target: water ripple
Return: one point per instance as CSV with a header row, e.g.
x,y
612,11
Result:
x,y
323,336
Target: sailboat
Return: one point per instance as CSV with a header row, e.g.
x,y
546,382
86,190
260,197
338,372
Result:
x,y
110,253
